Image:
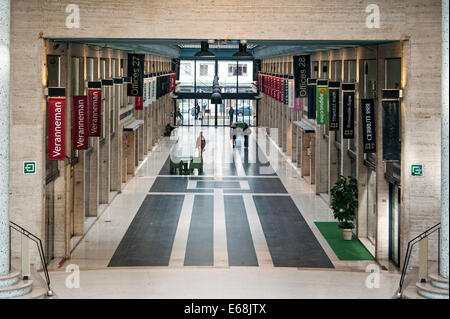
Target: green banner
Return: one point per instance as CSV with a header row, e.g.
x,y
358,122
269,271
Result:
x,y
322,104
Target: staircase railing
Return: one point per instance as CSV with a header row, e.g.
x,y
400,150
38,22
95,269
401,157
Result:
x,y
409,248
40,248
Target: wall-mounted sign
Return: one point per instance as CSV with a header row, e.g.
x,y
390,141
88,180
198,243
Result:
x,y
322,102
311,90
368,125
348,115
80,123
136,72
417,170
302,72
29,167
57,128
94,109
333,106
391,130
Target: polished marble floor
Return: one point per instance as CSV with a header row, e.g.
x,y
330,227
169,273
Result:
x,y
247,215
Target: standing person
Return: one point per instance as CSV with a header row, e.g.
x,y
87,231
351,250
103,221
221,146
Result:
x,y
231,114
201,143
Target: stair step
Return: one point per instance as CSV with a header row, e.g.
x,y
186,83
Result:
x,y
10,279
36,293
411,293
19,289
431,292
438,281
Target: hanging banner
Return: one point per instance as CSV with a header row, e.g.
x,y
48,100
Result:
x,y
302,72
322,102
298,104
136,72
391,131
333,106
286,92
57,128
368,125
173,82
311,90
139,103
80,123
94,112
348,115
291,94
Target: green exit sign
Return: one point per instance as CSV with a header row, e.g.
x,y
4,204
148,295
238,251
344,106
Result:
x,y
416,170
29,167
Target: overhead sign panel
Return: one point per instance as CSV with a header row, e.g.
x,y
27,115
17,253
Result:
x,y
368,125
302,72
136,72
57,128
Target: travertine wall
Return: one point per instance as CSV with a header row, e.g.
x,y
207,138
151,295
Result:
x,y
416,21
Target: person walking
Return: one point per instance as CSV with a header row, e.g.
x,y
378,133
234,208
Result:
x,y
247,131
233,134
201,144
197,111
231,114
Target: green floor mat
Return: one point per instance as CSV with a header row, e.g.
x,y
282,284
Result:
x,y
344,249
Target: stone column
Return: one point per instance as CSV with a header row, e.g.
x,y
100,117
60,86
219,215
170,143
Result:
x,y
444,145
4,134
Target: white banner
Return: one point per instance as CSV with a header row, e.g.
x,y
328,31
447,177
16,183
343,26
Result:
x,y
291,93
153,90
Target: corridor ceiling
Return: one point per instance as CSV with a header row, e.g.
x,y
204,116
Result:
x,y
176,48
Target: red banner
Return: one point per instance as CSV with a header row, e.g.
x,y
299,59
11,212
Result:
x,y
139,103
57,129
80,123
95,112
173,78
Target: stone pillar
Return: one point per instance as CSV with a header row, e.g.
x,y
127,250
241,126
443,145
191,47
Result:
x,y
444,145
4,134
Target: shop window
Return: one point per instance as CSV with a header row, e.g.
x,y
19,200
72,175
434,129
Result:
x,y
53,80
103,75
336,70
370,80
113,68
121,68
350,71
315,69
204,69
324,70
234,70
103,72
75,83
112,111
186,68
75,76
371,206
90,69
393,72
53,71
394,223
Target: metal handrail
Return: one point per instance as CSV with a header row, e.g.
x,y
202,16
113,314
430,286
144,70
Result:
x,y
409,248
40,247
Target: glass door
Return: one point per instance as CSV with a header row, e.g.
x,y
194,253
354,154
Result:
x,y
371,206
394,224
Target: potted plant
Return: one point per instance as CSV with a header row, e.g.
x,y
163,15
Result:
x,y
344,202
